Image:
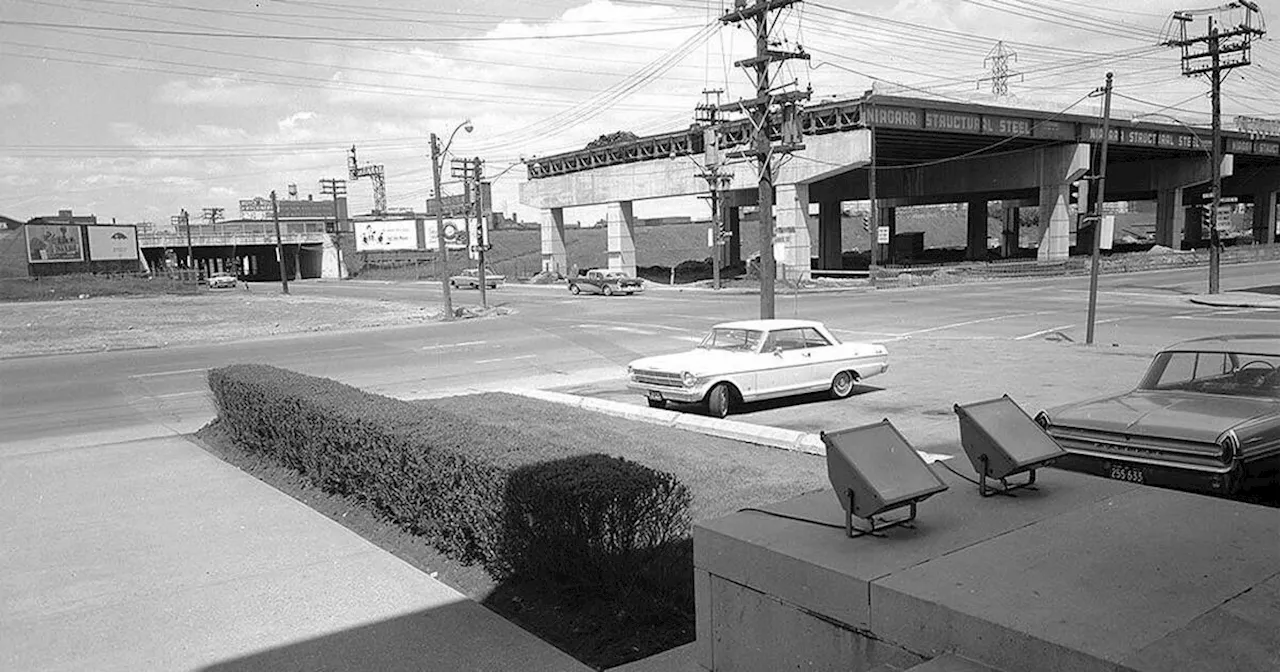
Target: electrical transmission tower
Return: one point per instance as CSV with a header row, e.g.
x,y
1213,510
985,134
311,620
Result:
x,y
1226,45
997,61
375,175
774,113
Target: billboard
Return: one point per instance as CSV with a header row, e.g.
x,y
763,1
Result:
x,y
387,234
455,234
112,242
54,243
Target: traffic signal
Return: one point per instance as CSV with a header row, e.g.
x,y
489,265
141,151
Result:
x,y
1079,195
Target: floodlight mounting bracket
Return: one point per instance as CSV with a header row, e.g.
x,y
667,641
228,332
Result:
x,y
877,530
1005,488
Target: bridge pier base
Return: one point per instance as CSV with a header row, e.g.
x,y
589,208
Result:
x,y
1171,218
976,238
830,239
1264,216
1010,240
621,248
794,232
554,259
1059,167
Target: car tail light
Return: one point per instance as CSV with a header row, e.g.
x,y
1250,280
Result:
x,y
1230,446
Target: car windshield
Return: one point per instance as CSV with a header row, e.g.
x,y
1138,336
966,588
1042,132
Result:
x,y
732,339
1231,373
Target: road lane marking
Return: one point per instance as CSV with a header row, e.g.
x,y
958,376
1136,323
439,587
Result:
x,y
980,321
1218,318
503,359
180,394
169,373
452,345
1042,332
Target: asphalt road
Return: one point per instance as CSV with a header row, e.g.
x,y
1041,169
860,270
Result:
x,y
555,340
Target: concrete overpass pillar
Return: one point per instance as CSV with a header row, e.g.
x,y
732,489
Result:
x,y
794,231
1171,218
1195,225
554,259
1264,216
889,218
830,240
1059,167
1009,235
621,221
976,249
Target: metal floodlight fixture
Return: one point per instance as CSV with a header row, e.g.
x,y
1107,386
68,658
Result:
x,y
1001,440
466,125
874,470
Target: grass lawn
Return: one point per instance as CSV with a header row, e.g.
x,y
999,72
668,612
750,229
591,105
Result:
x,y
722,475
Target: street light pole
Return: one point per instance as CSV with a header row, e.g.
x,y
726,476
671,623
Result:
x,y
437,155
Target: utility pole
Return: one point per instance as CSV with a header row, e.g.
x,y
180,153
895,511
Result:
x,y
764,126
186,221
442,250
335,187
275,217
482,229
468,170
717,179
1225,49
1097,210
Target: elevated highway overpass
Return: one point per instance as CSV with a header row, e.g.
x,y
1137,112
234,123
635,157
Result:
x,y
923,152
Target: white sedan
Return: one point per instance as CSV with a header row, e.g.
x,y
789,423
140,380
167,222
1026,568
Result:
x,y
746,361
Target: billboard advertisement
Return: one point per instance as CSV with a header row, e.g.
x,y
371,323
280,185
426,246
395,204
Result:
x,y
387,234
54,243
455,234
112,242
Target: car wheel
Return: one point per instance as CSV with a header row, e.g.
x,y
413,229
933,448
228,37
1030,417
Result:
x,y
607,291
719,399
453,284
657,403
842,385
573,289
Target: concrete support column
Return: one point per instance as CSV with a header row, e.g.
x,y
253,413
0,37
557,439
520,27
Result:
x,y
621,221
1058,168
1195,230
1264,216
1009,233
794,232
1170,218
976,249
733,224
830,241
332,264
889,218
554,259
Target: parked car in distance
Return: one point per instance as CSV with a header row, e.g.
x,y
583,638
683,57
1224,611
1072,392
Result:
x,y
1205,418
222,280
606,282
739,362
470,277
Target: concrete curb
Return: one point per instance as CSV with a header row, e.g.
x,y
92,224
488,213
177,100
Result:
x,y
1237,300
761,435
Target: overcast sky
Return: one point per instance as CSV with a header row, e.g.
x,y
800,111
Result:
x,y
133,109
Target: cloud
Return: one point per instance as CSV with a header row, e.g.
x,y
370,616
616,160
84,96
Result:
x,y
215,92
13,94
290,122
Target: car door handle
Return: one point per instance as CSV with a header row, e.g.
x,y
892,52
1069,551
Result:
x,y
805,354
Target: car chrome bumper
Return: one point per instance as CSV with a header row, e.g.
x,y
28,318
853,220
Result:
x,y
684,395
1224,480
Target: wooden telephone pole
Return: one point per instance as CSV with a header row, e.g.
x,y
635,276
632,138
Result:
x,y
1225,45
765,126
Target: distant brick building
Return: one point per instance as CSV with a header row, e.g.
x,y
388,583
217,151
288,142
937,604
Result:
x,y
64,217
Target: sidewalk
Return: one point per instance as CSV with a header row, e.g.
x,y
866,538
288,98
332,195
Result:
x,y
154,555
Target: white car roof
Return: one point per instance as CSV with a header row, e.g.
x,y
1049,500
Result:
x,y
768,325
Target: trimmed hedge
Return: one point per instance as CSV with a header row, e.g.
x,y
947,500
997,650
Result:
x,y
512,502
